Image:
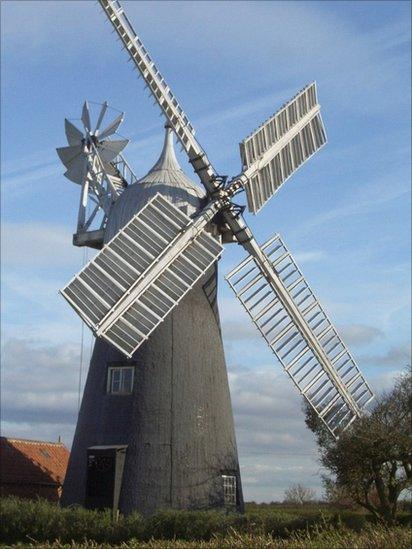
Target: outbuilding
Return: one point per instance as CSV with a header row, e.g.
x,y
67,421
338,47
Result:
x,y
32,468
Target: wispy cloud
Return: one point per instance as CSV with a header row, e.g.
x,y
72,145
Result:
x,y
398,356
38,244
242,108
27,176
309,256
239,331
359,334
369,197
40,381
43,23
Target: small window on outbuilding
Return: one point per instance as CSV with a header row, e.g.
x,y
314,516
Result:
x,y
120,380
229,490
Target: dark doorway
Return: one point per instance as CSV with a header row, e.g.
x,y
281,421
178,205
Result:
x,y
104,476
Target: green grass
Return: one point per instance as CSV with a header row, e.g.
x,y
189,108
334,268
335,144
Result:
x,y
40,522
376,537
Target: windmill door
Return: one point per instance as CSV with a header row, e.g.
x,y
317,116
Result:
x,y
104,476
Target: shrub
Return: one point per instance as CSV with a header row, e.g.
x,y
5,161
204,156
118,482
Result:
x,y
191,525
40,522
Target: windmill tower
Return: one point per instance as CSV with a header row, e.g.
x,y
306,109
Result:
x,y
177,428
155,428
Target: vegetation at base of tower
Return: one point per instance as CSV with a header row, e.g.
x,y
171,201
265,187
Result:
x,y
327,538
269,525
371,462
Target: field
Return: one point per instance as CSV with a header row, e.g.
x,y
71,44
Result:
x,y
41,524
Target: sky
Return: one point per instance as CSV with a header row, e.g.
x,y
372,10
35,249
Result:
x,y
345,215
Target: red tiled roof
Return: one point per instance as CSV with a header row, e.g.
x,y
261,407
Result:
x,y
32,461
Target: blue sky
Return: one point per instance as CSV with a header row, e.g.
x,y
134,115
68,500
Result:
x,y
345,215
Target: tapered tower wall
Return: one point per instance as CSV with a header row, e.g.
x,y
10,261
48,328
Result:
x,y
177,424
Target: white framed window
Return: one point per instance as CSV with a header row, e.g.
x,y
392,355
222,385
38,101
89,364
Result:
x,y
229,490
120,380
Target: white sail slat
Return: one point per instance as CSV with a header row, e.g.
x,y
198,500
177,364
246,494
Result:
x,y
138,277
331,382
280,146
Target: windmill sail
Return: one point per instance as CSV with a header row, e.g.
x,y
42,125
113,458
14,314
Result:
x,y
85,118
112,128
146,66
160,91
142,273
280,146
73,134
101,116
330,381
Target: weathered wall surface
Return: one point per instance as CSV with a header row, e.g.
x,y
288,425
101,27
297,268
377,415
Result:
x,y
178,422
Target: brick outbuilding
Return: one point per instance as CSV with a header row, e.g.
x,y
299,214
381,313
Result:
x,y
31,468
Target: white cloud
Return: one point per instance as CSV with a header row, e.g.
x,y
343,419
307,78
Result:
x,y
33,160
384,381
69,26
37,260
38,244
39,384
369,196
275,447
44,431
243,108
239,331
309,256
22,179
307,35
359,334
398,356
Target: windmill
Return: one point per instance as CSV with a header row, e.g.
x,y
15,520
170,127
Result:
x,y
155,428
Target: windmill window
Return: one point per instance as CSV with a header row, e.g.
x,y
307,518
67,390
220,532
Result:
x,y
229,490
120,380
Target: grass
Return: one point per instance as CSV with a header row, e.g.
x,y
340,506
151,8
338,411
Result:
x,y
376,537
43,524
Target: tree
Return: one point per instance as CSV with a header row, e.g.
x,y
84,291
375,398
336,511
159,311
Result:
x,y
336,495
298,494
371,462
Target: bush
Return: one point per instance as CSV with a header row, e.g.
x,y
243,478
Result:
x,y
191,525
40,521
